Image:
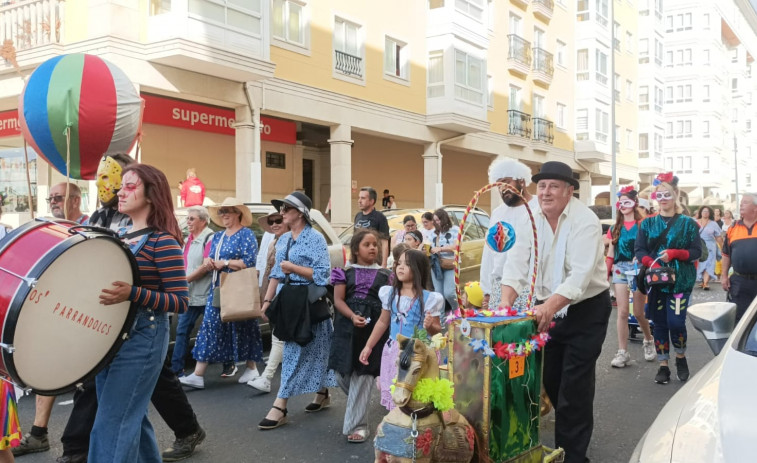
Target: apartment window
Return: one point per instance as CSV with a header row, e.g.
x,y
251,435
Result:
x,y
514,103
679,57
669,23
601,125
602,12
734,52
156,7
658,52
582,124
669,94
706,129
657,144
643,145
515,24
706,164
435,87
706,93
734,85
629,90
617,138
687,164
616,87
735,115
288,21
669,130
669,59
706,57
748,125
582,64
395,58
582,10
669,163
629,42
658,99
687,56
473,8
601,67
348,48
643,47
706,21
490,93
490,15
679,93
687,128
561,51
469,77
643,98
243,19
687,93
538,106
616,36
629,139
561,116
687,21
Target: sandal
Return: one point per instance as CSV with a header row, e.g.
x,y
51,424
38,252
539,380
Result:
x,y
359,435
267,424
317,407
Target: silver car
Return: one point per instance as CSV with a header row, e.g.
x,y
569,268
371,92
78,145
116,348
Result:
x,y
711,418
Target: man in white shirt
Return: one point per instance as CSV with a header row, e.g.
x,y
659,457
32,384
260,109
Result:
x,y
517,175
572,291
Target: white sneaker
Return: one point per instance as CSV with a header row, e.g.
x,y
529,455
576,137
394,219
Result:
x,y
248,375
621,359
261,384
193,381
649,352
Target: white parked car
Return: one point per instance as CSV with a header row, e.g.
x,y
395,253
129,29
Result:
x,y
711,418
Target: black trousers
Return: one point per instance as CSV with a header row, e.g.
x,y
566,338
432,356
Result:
x,y
169,400
570,359
742,293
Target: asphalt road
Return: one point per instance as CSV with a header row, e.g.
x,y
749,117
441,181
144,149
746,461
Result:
x,y
627,401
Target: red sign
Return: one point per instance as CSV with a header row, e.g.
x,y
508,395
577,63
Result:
x,y
9,125
194,116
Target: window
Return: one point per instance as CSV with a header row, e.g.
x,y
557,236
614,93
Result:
x,y
706,129
629,139
560,116
679,93
395,58
243,19
629,90
538,38
582,64
687,57
602,12
706,93
435,74
706,57
687,128
616,35
657,144
658,52
687,21
288,22
538,108
514,102
669,59
490,93
601,125
644,47
473,8
629,42
706,164
669,130
616,87
582,10
643,145
582,124
617,138
13,180
156,7
687,93
643,98
491,17
734,85
734,52
669,23
748,125
275,160
560,55
679,129
347,48
669,94
601,67
658,99
687,164
706,21
469,77
515,24
669,163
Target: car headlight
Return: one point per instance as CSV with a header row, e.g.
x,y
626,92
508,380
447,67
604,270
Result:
x,y
636,455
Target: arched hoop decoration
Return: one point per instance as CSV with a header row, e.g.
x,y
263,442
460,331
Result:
x,y
471,205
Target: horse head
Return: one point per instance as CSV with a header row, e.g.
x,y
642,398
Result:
x,y
413,364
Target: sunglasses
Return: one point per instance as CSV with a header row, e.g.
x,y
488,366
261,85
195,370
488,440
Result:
x,y
224,211
54,199
192,219
660,195
272,222
284,209
625,203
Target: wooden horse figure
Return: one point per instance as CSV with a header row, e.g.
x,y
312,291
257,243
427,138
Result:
x,y
416,431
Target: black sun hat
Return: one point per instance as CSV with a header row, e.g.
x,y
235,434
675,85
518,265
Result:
x,y
297,200
556,170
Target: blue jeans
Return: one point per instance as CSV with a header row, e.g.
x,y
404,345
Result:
x,y
446,287
186,324
122,432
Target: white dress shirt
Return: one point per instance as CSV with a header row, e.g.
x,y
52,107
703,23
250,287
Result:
x,y
583,272
492,262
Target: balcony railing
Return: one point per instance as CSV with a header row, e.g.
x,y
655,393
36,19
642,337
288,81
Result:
x,y
543,130
520,49
31,23
519,123
349,64
543,61
549,4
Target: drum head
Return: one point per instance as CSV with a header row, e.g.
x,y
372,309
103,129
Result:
x,y
63,334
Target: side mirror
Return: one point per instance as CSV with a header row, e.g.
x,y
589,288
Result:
x,y
715,320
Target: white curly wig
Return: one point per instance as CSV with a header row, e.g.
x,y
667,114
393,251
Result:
x,y
509,168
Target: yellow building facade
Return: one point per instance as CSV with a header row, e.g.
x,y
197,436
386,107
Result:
x,y
326,96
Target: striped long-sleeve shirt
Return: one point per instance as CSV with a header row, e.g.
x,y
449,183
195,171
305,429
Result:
x,y
164,281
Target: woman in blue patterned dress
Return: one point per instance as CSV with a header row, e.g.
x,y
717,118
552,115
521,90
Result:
x,y
301,255
230,250
710,232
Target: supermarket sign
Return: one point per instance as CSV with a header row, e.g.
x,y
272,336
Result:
x,y
9,125
183,114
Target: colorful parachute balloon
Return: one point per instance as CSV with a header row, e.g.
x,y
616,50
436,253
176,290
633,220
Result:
x,y
500,237
91,96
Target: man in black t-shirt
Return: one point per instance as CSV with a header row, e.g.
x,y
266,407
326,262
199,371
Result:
x,y
385,200
369,217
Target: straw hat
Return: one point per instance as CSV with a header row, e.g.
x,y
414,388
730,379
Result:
x,y
263,221
230,202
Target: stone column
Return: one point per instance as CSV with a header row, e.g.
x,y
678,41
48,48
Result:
x,y
341,176
245,147
433,189
584,190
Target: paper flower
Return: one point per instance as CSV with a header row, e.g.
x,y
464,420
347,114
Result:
x,y
439,341
666,177
625,190
438,391
478,344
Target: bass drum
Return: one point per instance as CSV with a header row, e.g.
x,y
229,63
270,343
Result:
x,y
55,333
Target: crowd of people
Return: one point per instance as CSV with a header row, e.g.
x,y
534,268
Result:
x,y
392,285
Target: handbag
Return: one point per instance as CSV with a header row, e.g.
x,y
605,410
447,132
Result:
x,y
660,276
240,295
641,282
446,263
